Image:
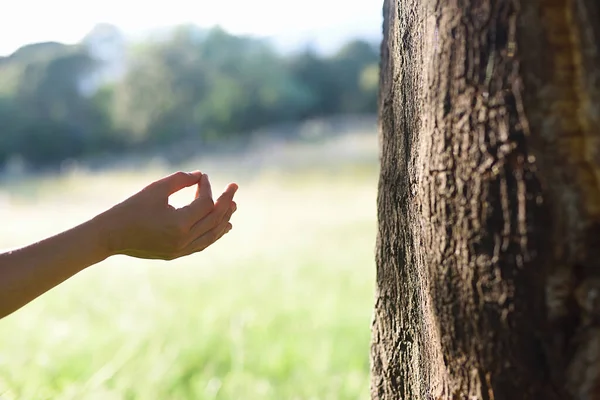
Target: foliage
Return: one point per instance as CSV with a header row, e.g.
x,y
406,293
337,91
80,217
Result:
x,y
206,84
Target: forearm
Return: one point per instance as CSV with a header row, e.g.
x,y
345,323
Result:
x,y
28,272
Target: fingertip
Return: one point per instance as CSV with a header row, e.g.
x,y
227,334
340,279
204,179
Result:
x,y
233,206
232,187
227,195
177,181
195,175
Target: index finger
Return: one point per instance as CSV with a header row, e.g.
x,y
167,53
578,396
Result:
x,y
203,204
204,189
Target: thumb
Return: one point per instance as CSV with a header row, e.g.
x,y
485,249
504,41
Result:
x,y
177,181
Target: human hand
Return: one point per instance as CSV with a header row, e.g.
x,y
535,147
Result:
x,y
146,226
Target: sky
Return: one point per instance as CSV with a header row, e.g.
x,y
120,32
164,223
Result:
x,y
67,21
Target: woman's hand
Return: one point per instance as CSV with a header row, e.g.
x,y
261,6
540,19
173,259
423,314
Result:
x,y
146,226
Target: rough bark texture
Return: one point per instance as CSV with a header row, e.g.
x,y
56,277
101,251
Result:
x,y
488,257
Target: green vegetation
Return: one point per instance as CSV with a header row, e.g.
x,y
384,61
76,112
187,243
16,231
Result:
x,y
279,309
62,102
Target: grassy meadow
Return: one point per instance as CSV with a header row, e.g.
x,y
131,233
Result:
x,y
280,308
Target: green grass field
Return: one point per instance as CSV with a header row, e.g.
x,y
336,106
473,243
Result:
x,y
279,309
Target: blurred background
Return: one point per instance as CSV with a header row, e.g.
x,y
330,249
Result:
x,y
99,99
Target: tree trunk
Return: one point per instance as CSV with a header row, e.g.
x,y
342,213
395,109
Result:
x,y
488,252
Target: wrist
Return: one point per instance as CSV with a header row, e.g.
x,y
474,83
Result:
x,y
106,233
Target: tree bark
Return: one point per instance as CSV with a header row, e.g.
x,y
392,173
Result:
x,y
488,249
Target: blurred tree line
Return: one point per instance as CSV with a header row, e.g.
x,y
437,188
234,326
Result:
x,y
59,102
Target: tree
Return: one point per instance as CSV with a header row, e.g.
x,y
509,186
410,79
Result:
x,y
205,84
488,249
44,117
102,95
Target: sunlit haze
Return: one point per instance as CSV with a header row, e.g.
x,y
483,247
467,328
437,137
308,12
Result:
x,y
320,21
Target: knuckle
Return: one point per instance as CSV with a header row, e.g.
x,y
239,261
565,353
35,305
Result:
x,y
151,187
180,175
200,244
171,256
